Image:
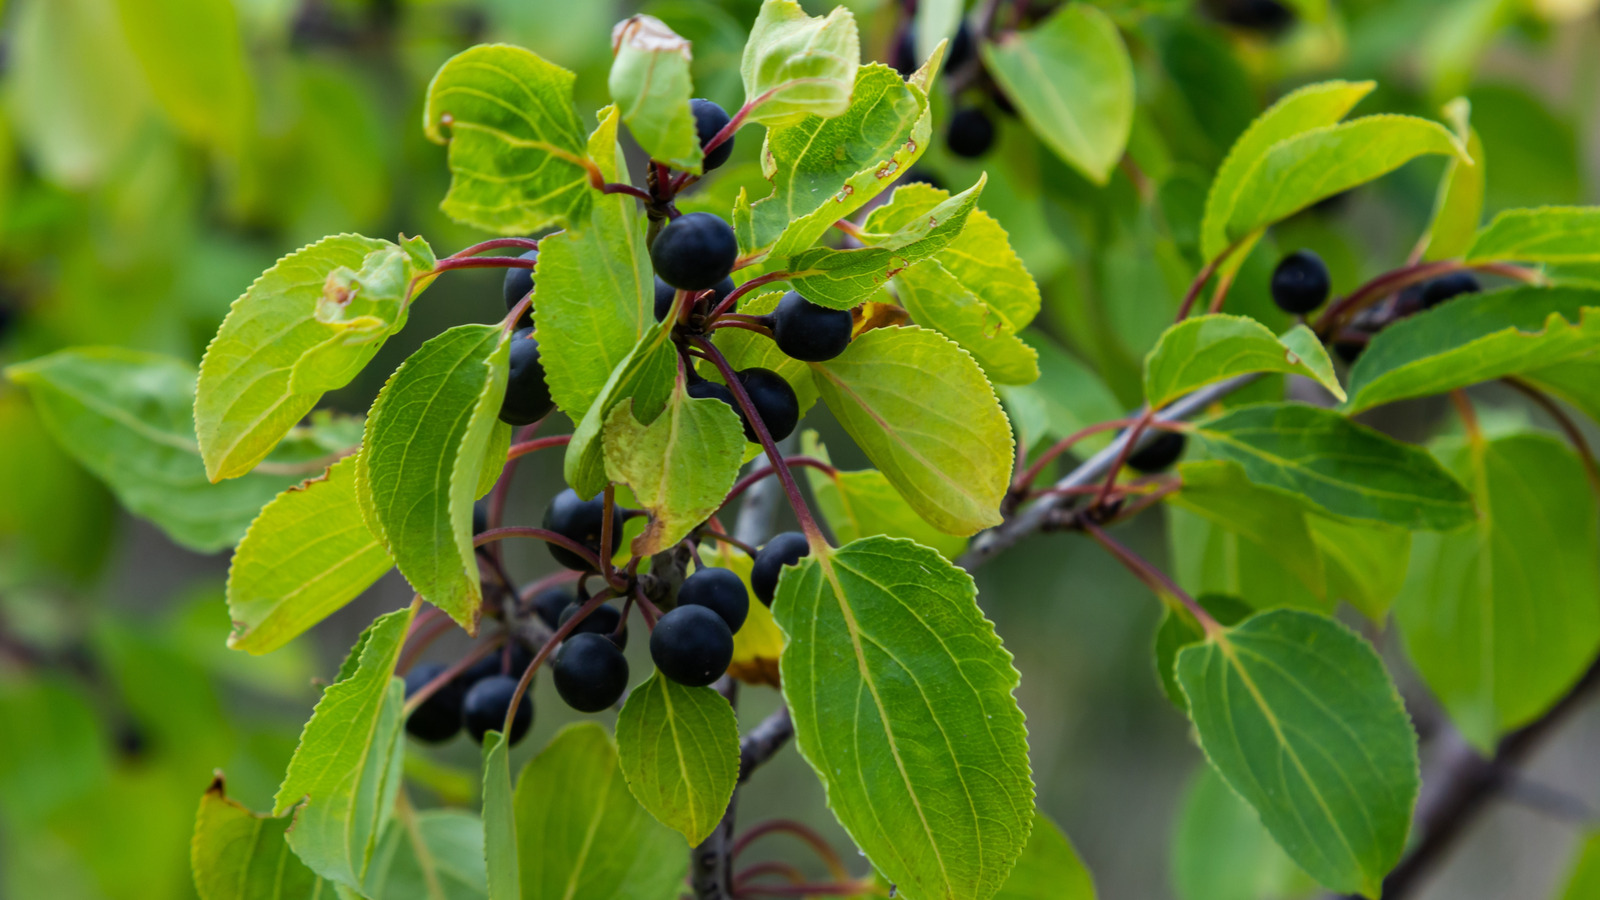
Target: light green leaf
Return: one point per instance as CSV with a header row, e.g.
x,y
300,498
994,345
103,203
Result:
x,y
420,464
127,416
1366,562
863,503
1049,868
1204,350
1179,629
1475,338
1336,465
844,278
1222,851
651,88
1576,381
345,772
1072,80
1298,172
1584,880
679,750
935,21
921,409
1067,397
516,147
239,855
194,60
824,168
307,555
745,349
797,65
1275,524
1501,618
1548,234
500,847
594,291
308,325
679,467
936,299
435,854
1296,712
647,375
589,839
1459,207
902,701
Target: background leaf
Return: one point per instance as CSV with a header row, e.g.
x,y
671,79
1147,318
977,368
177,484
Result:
x,y
797,65
1222,851
239,855
863,503
435,853
503,872
1459,207
1049,868
679,750
1204,350
1549,234
651,87
194,60
1275,524
1067,397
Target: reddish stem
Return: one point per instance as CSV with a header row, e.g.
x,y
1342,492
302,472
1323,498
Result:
x,y
1568,427
732,299
524,448
811,838
744,483
560,540
726,538
420,641
443,678
1027,478
725,322
1153,578
649,610
1134,434
1200,279
450,263
496,244
750,873
560,635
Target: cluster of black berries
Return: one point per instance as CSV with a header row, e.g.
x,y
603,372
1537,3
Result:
x,y
476,699
971,130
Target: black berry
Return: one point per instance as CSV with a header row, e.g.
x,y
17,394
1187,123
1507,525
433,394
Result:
x,y
903,56
549,603
720,591
604,621
970,134
495,664
709,118
918,175
1159,454
480,517
1268,16
581,521
695,251
590,672
784,549
527,397
484,709
960,49
1446,287
808,332
1301,282
774,401
665,292
438,718
517,285
712,390
691,645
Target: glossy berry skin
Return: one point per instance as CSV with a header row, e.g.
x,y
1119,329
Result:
x,y
971,133
527,397
517,285
1159,454
590,672
808,332
720,591
604,621
484,709
784,549
1301,282
709,118
691,645
495,664
774,401
711,390
1446,287
439,717
695,251
580,520
549,603
665,292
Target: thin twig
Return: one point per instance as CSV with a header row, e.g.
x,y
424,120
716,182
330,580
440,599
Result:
x,y
1567,425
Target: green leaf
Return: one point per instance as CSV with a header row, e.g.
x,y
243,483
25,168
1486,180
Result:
x,y
194,59
646,375
346,769
127,416
921,409
679,750
594,291
1072,80
1313,106
1067,398
1459,207
651,87
1204,350
307,555
797,65
1366,562
1049,868
308,325
1576,381
516,147
1584,880
420,464
1276,525
902,701
825,168
1179,629
936,299
745,349
1222,851
1296,712
1501,618
239,855
590,840
435,853
935,21
863,503
679,467
1298,172
844,278
500,847
1479,337
1549,234
1336,465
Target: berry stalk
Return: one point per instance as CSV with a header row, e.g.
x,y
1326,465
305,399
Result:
x,y
1155,579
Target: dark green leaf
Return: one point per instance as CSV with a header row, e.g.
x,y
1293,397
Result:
x,y
679,750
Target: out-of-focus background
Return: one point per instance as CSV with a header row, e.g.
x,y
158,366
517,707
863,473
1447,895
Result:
x,y
156,155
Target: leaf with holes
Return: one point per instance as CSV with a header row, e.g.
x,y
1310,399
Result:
x,y
679,750
651,88
1204,350
240,855
902,701
797,65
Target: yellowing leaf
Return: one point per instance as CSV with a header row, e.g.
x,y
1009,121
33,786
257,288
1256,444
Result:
x,y
651,87
797,65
